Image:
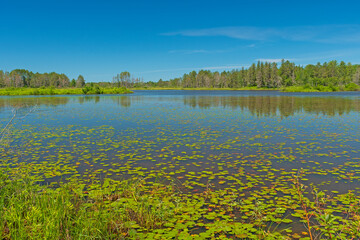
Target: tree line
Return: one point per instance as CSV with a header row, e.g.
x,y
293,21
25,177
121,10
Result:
x,y
260,75
19,78
23,78
269,75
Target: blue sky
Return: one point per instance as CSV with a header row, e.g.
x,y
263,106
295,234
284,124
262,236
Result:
x,y
165,39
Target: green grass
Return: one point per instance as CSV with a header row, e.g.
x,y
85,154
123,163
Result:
x,y
134,209
179,88
122,90
61,91
348,87
111,210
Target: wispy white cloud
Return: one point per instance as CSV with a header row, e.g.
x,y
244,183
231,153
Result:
x,y
249,33
322,33
196,51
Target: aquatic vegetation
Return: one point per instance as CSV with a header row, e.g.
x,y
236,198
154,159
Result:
x,y
184,167
62,91
323,220
320,88
70,210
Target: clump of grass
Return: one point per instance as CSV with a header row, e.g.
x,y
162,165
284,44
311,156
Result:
x,y
321,219
134,209
320,88
204,88
112,209
62,91
116,90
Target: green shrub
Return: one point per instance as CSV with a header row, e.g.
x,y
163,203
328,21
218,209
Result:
x,y
86,90
352,87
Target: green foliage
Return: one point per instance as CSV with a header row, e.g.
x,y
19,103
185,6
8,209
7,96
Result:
x,y
62,91
116,90
23,78
109,210
92,89
73,83
308,88
327,225
242,190
327,77
352,87
80,82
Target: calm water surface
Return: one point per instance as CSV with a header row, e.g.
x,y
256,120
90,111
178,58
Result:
x,y
195,137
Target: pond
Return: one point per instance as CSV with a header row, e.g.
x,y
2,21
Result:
x,y
248,143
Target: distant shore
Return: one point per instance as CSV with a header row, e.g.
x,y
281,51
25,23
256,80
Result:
x,y
283,89
206,89
62,91
122,90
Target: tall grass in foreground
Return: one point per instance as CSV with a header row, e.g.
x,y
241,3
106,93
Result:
x,y
135,210
321,215
111,210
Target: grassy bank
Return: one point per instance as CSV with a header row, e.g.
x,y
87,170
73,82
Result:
x,y
111,210
349,87
135,209
61,91
207,89
122,90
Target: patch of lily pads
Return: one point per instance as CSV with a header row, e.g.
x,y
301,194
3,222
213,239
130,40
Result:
x,y
224,172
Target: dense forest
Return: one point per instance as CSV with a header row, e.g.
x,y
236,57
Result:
x,y
24,82
23,78
333,75
270,75
20,78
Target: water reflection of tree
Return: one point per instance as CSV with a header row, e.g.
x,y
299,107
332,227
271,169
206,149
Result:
x,y
94,99
12,102
126,101
278,105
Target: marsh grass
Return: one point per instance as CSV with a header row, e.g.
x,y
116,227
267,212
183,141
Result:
x,y
134,209
320,88
305,88
203,88
321,219
110,210
62,91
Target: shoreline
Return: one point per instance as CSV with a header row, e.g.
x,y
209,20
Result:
x,y
121,90
287,89
61,91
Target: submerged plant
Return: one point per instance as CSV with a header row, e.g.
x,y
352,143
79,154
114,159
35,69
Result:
x,y
323,220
